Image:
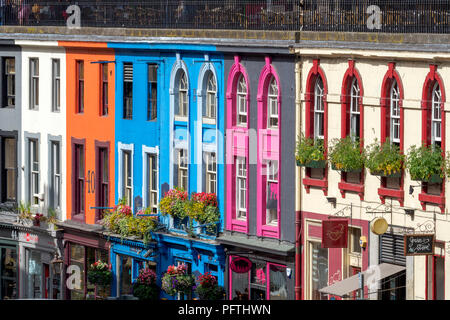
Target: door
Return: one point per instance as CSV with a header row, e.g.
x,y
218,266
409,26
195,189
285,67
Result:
x,y
46,280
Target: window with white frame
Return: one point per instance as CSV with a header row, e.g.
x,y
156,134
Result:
x,y
56,85
127,177
55,167
152,91
241,188
128,91
152,182
182,95
271,192
183,169
9,78
318,110
33,149
9,168
354,109
211,97
211,172
395,113
436,116
241,102
34,83
272,105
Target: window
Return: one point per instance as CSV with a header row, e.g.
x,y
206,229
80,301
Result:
x,y
182,96
211,97
241,101
395,113
79,179
152,182
152,93
80,86
241,188
128,91
55,167
9,83
278,282
436,273
183,169
103,176
104,89
9,169
126,279
436,116
127,177
355,235
211,172
318,270
272,105
34,83
8,273
354,109
319,110
56,85
272,192
33,163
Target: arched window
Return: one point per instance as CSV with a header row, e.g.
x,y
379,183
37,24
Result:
x,y
395,113
355,114
272,104
182,95
436,115
241,102
319,110
211,97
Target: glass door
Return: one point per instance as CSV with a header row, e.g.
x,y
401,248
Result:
x,y
8,273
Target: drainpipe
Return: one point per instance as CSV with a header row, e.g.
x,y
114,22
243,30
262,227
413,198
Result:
x,y
298,186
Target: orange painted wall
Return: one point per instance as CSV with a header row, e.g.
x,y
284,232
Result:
x,y
89,125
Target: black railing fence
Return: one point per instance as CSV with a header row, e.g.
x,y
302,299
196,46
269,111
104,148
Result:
x,y
393,16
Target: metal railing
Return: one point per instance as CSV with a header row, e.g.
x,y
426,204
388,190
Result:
x,y
394,16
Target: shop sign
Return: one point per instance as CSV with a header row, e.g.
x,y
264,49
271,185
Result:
x,y
240,265
419,244
25,237
334,233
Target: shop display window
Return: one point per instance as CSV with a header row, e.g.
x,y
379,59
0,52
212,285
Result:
x,y
8,273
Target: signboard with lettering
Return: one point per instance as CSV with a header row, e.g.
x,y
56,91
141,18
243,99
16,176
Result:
x,y
419,244
334,233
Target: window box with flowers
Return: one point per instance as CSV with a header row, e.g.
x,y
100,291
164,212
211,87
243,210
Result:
x,y
203,209
208,289
384,160
426,164
310,153
346,155
145,287
100,275
177,281
174,204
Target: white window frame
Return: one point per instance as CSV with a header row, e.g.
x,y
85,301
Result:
x,y
127,188
183,168
34,83
33,161
211,99
241,102
271,177
56,85
10,77
56,172
319,110
436,114
355,111
241,187
152,188
211,172
272,104
183,98
395,113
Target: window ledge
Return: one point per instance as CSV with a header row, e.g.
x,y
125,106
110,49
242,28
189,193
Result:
x,y
316,183
351,187
425,198
269,231
397,194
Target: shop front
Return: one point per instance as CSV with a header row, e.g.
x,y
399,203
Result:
x,y
9,267
258,269
83,245
128,257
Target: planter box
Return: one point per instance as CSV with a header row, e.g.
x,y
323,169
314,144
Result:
x,y
313,164
434,178
343,170
397,174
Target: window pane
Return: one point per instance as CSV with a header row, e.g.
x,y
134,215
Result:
x,y
319,269
278,282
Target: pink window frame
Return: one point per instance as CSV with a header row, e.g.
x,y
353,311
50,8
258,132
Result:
x,y
390,76
432,77
269,151
315,72
235,136
351,72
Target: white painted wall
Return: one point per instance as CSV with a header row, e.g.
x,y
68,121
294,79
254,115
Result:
x,y
44,121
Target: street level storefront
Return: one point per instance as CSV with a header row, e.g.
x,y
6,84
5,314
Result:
x,y
199,256
128,257
9,266
83,245
258,269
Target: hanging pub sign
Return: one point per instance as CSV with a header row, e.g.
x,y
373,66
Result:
x,y
240,265
419,244
334,233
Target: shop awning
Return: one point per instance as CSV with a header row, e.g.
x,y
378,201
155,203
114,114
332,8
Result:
x,y
350,284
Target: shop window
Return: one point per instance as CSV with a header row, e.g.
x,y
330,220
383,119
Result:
x,y
80,86
278,282
436,273
77,258
104,89
152,182
211,172
241,102
258,281
126,287
393,287
34,275
210,106
128,91
8,273
9,169
34,83
318,270
9,83
152,92
56,85
33,178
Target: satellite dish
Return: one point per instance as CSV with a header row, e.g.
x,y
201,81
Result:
x,y
379,226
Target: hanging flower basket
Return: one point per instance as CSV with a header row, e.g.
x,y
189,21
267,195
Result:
x,y
175,280
145,287
100,274
208,288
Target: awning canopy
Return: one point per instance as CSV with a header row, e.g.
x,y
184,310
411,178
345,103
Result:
x,y
350,284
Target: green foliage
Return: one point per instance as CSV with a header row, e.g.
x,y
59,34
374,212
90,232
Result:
x,y
25,211
174,203
51,218
385,158
210,293
309,149
144,292
425,161
345,154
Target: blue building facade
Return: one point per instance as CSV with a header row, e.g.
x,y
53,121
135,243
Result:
x,y
170,123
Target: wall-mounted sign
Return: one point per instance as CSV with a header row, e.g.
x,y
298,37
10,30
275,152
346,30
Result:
x,y
240,265
334,233
419,244
379,225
